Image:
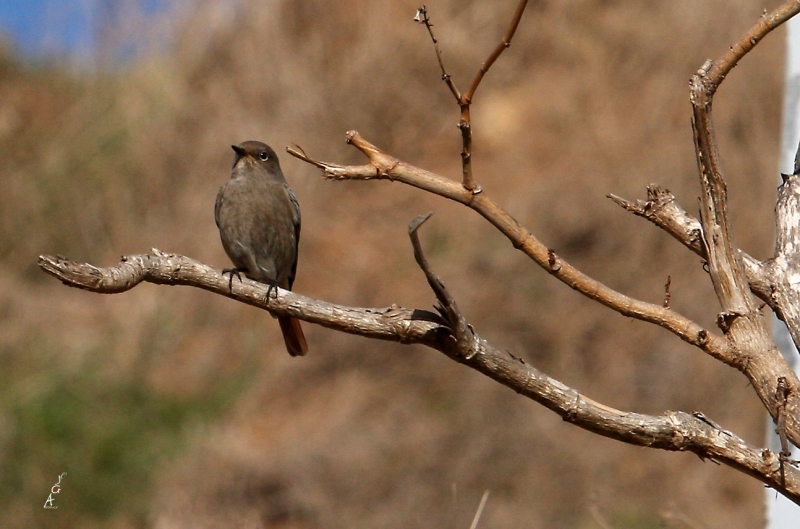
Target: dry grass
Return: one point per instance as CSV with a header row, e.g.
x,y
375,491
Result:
x,y
590,99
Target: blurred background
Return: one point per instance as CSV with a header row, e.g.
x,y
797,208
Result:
x,y
172,407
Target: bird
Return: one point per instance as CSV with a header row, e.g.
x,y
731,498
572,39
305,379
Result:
x,y
259,224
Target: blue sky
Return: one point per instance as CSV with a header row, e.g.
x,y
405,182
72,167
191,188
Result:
x,y
38,28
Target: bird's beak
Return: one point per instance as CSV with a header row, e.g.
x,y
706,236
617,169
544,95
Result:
x,y
238,150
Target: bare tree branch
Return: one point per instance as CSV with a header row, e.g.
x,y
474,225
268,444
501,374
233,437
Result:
x,y
465,100
741,320
782,270
504,44
662,209
732,271
745,343
479,512
714,75
422,18
390,323
384,166
672,431
463,333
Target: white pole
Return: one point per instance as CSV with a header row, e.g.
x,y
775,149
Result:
x,y
781,513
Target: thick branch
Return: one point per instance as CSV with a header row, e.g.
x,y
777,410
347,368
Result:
x,y
391,323
673,431
740,319
783,270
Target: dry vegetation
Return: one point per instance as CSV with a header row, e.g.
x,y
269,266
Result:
x,y
185,408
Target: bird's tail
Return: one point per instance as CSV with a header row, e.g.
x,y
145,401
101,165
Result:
x,y
293,335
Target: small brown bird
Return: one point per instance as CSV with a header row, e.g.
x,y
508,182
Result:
x,y
259,223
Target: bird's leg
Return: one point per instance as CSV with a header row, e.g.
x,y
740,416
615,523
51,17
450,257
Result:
x,y
233,272
273,287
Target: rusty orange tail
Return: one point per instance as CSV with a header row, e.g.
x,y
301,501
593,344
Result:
x,y
293,336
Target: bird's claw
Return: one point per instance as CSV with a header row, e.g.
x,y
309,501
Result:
x,y
272,288
232,272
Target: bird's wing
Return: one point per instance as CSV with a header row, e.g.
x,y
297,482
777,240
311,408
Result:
x,y
296,223
218,205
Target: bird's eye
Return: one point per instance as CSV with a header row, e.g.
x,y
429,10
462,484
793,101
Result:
x,y
263,156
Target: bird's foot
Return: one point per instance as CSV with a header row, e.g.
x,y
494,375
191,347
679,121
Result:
x,y
272,288
233,272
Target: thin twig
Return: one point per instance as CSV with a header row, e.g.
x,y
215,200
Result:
x,y
465,126
767,22
504,44
478,514
595,512
465,123
422,18
454,488
781,396
780,423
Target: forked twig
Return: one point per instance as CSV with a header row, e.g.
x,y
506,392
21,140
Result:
x,y
465,100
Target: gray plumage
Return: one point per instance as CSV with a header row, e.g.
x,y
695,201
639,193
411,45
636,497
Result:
x,y
259,224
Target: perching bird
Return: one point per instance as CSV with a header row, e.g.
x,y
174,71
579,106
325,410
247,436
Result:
x,y
259,223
